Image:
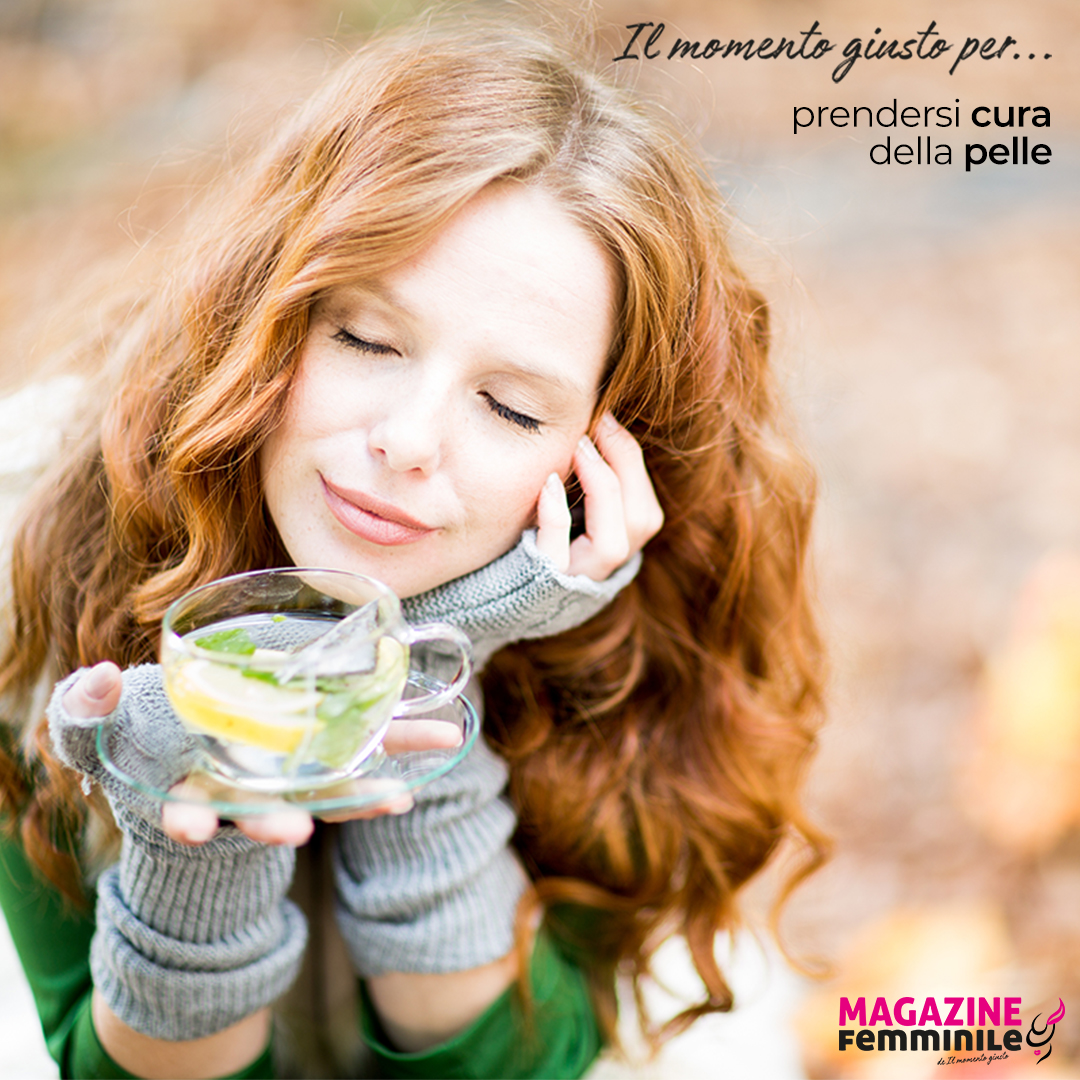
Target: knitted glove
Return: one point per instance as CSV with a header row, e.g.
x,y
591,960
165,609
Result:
x,y
189,940
520,595
437,890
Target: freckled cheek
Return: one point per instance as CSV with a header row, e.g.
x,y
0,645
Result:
x,y
327,400
507,498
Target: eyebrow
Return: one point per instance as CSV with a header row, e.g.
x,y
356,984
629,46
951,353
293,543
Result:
x,y
377,290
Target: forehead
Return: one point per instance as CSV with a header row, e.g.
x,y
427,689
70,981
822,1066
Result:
x,y
524,228
514,277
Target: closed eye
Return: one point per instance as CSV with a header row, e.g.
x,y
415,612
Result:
x,y
522,421
343,337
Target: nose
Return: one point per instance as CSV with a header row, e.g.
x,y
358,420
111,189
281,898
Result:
x,y
408,433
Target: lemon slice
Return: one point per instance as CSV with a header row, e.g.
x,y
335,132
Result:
x,y
393,657
223,702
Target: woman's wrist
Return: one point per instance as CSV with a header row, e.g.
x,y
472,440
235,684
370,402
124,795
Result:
x,y
221,1054
418,1011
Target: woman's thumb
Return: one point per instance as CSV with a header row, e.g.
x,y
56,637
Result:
x,y
96,693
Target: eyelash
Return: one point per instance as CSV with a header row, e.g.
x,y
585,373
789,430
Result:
x,y
353,342
522,421
527,423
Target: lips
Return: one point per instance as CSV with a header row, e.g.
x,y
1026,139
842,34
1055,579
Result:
x,y
372,519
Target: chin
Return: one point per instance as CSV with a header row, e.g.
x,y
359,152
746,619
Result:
x,y
404,582
410,573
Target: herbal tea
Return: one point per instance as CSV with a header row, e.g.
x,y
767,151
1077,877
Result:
x,y
289,678
269,727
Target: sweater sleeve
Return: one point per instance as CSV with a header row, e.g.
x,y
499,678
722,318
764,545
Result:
x,y
559,1038
437,889
52,939
555,1036
190,939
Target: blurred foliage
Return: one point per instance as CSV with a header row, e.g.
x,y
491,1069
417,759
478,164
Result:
x,y
1020,777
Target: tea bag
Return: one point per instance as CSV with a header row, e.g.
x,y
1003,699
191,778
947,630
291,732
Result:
x,y
347,648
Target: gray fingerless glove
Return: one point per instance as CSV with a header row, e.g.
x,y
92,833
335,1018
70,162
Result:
x,y
437,890
189,939
519,595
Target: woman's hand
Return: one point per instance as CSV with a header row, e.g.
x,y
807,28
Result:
x,y
97,694
622,512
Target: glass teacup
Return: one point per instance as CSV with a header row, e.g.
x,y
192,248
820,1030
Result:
x,y
280,690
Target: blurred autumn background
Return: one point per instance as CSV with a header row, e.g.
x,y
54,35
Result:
x,y
926,320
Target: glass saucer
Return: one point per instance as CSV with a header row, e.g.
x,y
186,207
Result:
x,y
381,779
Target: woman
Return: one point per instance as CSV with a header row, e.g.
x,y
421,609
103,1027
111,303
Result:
x,y
469,277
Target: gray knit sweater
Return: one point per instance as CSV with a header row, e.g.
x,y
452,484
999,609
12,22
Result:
x,y
192,939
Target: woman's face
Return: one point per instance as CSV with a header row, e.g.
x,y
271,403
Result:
x,y
430,405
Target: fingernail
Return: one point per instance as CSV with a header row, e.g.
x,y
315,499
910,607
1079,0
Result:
x,y
588,448
554,484
98,682
609,422
199,832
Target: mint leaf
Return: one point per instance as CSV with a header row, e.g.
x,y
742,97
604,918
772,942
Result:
x,y
237,641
